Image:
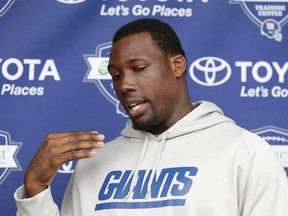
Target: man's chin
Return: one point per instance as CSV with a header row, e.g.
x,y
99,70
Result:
x,y
144,126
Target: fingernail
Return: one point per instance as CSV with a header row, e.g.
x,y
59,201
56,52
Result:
x,y
93,152
101,136
100,143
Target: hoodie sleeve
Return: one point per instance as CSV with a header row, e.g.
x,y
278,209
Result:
x,y
266,189
40,205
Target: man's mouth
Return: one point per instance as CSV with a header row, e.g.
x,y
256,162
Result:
x,y
135,106
136,109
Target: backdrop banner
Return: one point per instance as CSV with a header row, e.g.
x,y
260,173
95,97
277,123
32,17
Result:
x,y
53,74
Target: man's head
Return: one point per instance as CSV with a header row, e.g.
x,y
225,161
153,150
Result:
x,y
148,72
162,34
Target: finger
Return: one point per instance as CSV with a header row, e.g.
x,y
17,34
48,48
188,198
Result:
x,y
80,145
73,137
68,134
74,155
84,136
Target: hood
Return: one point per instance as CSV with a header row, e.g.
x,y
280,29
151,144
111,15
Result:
x,y
205,115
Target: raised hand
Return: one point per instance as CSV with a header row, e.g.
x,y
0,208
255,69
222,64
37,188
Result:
x,y
55,150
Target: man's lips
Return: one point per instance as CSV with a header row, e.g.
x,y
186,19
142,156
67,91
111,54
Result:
x,y
135,106
136,109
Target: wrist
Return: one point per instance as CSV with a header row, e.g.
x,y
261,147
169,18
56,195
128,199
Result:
x,y
32,188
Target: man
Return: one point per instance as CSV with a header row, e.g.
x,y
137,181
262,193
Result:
x,y
172,158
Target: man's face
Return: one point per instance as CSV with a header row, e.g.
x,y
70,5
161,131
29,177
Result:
x,y
144,82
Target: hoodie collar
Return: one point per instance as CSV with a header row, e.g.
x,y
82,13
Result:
x,y
206,114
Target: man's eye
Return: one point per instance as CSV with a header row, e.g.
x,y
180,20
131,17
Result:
x,y
116,77
140,68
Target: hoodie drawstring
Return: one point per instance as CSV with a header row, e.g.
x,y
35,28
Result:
x,y
138,166
139,163
156,164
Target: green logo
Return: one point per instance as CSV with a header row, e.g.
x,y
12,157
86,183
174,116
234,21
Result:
x,y
102,68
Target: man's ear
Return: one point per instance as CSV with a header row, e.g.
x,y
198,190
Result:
x,y
178,65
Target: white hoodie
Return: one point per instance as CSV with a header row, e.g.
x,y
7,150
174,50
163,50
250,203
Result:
x,y
204,165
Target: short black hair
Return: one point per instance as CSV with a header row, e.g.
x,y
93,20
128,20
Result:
x,y
162,34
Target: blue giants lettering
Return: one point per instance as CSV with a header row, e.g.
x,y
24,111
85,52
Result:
x,y
173,183
109,187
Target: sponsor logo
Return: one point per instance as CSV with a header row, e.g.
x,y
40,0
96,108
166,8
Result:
x,y
214,71
143,8
278,139
168,188
71,1
210,71
270,16
98,74
67,168
13,69
8,152
5,6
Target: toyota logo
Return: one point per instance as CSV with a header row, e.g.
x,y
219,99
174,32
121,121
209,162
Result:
x,y
210,71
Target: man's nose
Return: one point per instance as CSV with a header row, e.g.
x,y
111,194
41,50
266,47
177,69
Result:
x,y
127,83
